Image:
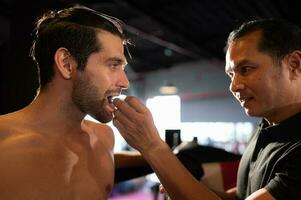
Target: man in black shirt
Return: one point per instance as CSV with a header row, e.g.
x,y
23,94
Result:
x,y
272,161
263,61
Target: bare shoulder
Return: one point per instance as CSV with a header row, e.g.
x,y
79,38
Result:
x,y
103,132
13,130
18,140
6,126
17,144
26,156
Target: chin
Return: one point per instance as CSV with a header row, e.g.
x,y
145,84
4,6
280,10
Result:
x,y
103,118
252,113
248,111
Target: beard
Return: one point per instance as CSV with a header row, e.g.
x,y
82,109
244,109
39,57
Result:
x,y
87,99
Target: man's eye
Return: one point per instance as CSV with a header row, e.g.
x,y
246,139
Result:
x,y
114,65
230,75
245,69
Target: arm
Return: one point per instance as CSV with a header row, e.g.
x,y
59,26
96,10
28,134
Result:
x,y
129,159
228,195
261,194
177,181
135,123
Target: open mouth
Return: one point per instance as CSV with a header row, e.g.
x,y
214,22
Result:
x,y
110,107
110,99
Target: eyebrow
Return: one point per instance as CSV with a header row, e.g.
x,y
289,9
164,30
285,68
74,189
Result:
x,y
241,63
118,60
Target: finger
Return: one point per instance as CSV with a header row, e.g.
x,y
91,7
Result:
x,y
118,125
133,102
122,118
124,108
136,104
122,129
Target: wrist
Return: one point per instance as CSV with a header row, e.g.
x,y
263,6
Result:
x,y
155,149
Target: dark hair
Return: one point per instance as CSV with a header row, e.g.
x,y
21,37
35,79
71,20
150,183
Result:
x,y
278,37
73,28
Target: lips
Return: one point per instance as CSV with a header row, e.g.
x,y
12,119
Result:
x,y
110,106
245,100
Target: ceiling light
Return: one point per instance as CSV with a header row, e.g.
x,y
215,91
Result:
x,y
168,89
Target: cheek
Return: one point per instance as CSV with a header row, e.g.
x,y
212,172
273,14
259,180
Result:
x,y
106,80
97,84
104,84
100,77
260,88
270,93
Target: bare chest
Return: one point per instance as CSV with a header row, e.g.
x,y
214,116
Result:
x,y
88,176
57,173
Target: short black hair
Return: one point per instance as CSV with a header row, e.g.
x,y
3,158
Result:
x,y
278,37
73,28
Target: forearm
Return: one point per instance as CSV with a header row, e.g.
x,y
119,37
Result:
x,y
135,123
177,181
129,159
228,195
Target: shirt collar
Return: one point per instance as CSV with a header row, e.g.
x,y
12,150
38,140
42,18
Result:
x,y
285,130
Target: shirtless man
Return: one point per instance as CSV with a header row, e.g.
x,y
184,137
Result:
x,y
47,149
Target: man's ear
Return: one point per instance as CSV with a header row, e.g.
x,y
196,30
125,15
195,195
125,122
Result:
x,y
64,63
294,63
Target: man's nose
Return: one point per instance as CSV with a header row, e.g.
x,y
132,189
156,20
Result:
x,y
123,81
236,84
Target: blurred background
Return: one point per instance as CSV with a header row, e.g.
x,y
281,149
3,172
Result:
x,y
177,64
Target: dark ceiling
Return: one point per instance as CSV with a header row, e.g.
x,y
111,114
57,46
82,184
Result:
x,y
167,32
164,32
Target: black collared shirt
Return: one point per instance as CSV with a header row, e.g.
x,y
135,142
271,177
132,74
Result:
x,y
272,160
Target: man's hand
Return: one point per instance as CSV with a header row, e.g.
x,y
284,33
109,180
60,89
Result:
x,y
135,123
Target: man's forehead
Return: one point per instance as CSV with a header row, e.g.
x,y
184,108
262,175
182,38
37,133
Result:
x,y
228,61
238,53
105,37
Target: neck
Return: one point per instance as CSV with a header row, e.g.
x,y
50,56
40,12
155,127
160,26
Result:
x,y
54,109
283,113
